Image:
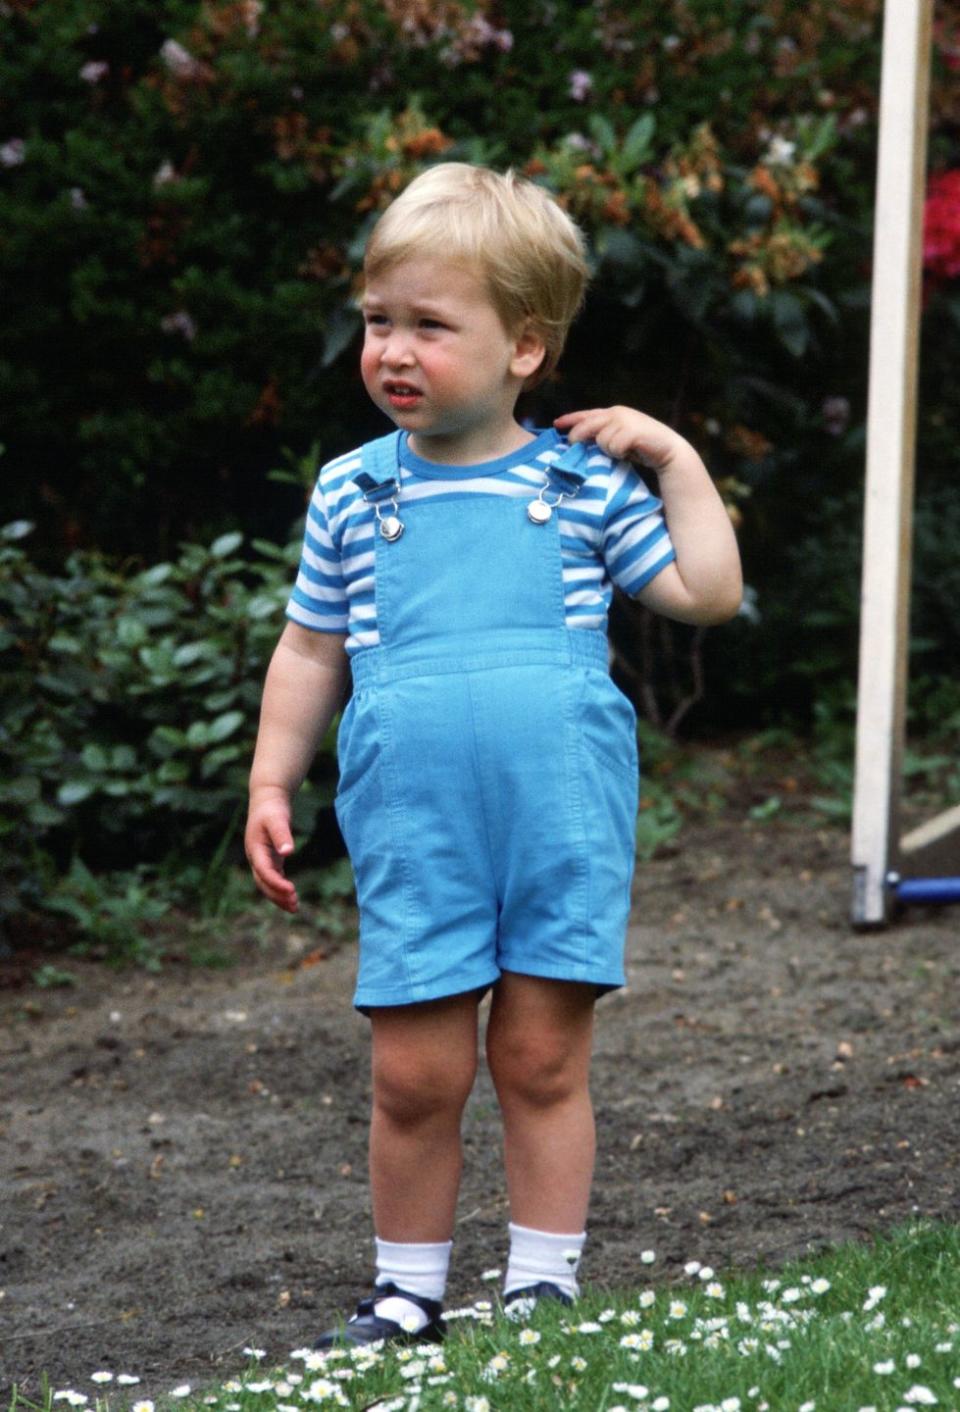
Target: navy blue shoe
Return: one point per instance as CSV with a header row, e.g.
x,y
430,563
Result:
x,y
366,1325
521,1302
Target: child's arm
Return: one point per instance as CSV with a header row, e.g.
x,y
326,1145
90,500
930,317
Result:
x,y
304,689
705,584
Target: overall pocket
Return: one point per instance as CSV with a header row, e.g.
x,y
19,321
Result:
x,y
364,816
609,776
608,724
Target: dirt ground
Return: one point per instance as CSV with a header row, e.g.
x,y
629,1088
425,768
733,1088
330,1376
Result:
x,y
182,1156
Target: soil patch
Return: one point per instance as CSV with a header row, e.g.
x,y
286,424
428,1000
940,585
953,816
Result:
x,y
182,1164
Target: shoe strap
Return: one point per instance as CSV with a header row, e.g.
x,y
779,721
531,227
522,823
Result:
x,y
388,1290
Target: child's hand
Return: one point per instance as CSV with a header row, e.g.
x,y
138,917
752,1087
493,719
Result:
x,y
624,434
268,841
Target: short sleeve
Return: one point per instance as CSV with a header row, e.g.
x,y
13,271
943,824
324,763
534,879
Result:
x,y
636,543
319,597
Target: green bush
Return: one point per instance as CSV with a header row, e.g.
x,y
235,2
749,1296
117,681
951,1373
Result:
x,y
185,190
128,706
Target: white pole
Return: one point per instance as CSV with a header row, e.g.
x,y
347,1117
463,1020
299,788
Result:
x,y
891,433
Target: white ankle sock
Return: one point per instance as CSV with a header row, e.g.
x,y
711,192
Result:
x,y
419,1269
542,1255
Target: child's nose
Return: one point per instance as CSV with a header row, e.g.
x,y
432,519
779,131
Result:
x,y
397,351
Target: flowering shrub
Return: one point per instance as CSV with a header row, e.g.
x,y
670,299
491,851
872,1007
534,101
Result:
x,y
187,184
941,226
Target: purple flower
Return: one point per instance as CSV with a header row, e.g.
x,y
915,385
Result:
x,y
94,71
13,153
580,85
178,60
180,322
836,415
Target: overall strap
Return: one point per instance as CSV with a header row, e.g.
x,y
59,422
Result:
x,y
569,471
377,477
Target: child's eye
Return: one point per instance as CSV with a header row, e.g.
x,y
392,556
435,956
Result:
x,y
375,320
431,324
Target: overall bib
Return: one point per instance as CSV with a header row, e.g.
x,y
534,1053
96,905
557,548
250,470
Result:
x,y
488,763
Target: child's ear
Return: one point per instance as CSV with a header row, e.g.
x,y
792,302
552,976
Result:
x,y
529,352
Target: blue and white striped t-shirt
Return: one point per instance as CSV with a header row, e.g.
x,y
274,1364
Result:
x,y
612,530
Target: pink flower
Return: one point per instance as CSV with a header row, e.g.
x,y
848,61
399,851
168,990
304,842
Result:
x,y
181,323
941,225
836,415
13,153
180,62
580,85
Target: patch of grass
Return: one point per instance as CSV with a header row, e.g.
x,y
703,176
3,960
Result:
x,y
863,1328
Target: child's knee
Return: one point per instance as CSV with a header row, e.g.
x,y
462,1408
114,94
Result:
x,y
537,1070
409,1088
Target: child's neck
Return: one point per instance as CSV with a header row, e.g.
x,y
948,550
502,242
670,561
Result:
x,y
473,447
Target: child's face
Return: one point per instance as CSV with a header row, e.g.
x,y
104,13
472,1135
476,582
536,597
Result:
x,y
439,361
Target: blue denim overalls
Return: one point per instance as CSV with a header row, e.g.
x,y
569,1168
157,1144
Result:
x,y
488,763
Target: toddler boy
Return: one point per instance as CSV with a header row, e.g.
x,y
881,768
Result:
x,y
460,570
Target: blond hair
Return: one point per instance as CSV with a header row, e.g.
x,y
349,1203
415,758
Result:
x,y
530,253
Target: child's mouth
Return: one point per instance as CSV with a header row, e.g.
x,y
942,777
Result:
x,y
402,395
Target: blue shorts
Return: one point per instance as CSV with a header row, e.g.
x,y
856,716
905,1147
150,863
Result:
x,y
488,800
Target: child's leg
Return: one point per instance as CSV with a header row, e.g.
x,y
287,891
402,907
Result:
x,y
539,1039
424,1065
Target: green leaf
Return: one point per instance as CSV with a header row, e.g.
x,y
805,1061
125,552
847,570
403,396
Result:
x,y
173,772
603,133
262,607
789,322
744,306
158,662
191,652
151,578
215,759
620,247
166,740
224,725
22,790
198,734
226,544
816,296
638,143
131,631
95,758
74,792
767,809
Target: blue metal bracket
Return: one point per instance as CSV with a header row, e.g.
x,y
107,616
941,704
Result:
x,y
924,890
